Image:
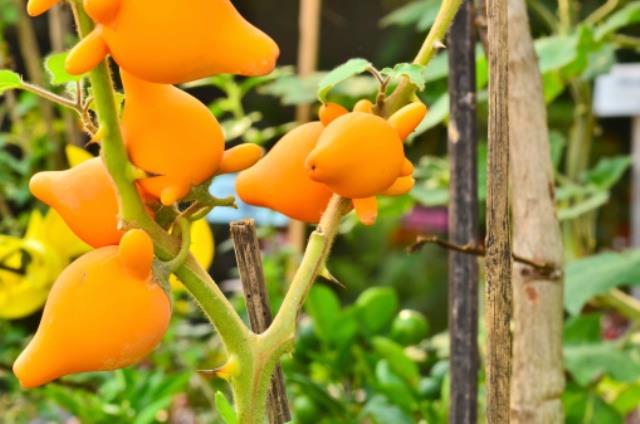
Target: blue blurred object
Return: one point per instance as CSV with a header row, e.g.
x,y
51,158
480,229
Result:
x,y
224,186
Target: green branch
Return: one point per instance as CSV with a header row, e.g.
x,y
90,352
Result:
x,y
233,332
406,90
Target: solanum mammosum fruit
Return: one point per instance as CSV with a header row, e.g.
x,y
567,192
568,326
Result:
x,y
173,41
105,311
360,155
280,181
86,199
176,139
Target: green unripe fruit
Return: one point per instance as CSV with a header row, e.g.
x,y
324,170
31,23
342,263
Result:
x,y
409,327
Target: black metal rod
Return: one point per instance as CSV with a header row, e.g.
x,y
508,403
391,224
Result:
x,y
463,219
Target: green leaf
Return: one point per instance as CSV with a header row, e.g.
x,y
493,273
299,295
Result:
x,y
376,307
608,171
413,71
341,73
582,329
553,85
555,52
628,15
600,61
588,362
324,307
292,89
381,411
225,409
396,390
400,363
587,407
421,13
627,400
9,80
54,64
597,274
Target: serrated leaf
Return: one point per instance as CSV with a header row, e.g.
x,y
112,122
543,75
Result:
x,y
9,80
341,73
225,409
597,274
54,64
413,71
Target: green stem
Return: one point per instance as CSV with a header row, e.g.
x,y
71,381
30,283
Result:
x,y
48,95
185,235
234,334
621,302
250,387
545,14
406,90
564,16
602,12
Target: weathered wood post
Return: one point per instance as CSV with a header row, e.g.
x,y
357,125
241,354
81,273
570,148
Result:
x,y
498,261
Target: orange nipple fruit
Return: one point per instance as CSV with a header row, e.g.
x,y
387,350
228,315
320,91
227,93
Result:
x,y
105,311
173,41
360,155
280,181
170,135
86,199
38,7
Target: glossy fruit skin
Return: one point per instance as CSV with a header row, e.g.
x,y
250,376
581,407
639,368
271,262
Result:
x,y
38,7
240,157
86,199
172,41
279,181
358,155
409,327
172,135
105,311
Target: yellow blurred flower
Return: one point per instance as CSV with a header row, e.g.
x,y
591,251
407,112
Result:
x,y
202,248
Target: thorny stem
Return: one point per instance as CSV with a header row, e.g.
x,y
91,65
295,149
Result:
x,y
48,95
215,305
405,91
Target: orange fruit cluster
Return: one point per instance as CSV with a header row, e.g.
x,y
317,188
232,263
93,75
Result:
x,y
107,310
357,155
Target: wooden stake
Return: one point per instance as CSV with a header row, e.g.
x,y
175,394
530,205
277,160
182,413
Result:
x,y
249,262
463,219
498,262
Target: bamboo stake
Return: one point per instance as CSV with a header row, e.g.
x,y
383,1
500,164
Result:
x,y
309,29
498,262
463,219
